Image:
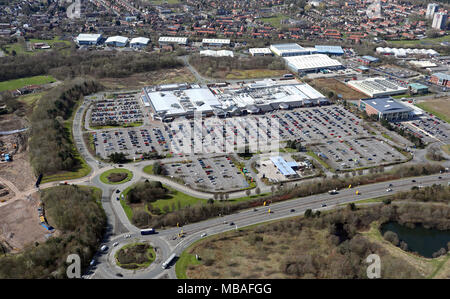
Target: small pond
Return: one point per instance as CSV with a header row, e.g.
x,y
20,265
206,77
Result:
x,y
419,239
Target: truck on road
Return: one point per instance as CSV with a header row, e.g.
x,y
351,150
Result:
x,y
148,231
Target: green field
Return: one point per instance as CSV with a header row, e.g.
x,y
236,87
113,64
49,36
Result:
x,y
19,83
177,196
20,47
104,176
437,107
420,42
274,21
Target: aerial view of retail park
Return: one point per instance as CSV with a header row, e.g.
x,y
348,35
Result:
x,y
256,139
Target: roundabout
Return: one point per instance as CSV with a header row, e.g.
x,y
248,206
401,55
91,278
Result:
x,y
116,176
135,256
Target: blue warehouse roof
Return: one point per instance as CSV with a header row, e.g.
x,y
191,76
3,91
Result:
x,y
332,50
284,167
386,105
370,58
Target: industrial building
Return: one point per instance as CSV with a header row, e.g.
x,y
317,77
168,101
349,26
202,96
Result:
x,y
288,169
377,87
116,41
368,59
167,40
386,108
442,79
88,39
401,52
330,50
139,42
215,42
311,63
292,49
169,101
219,53
260,52
418,88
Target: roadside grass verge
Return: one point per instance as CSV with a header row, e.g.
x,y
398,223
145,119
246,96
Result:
x,y
104,176
148,169
322,162
446,148
126,125
185,260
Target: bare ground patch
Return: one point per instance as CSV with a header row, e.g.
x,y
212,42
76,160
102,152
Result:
x,y
19,172
19,223
329,84
137,81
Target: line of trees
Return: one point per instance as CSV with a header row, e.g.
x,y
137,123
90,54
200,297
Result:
x,y
75,212
51,147
97,64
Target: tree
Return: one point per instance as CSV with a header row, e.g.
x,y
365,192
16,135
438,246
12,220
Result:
x,y
308,213
118,158
248,192
257,190
392,237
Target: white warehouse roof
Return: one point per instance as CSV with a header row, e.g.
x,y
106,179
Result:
x,y
215,41
173,39
117,39
311,62
86,37
379,86
220,53
139,40
259,51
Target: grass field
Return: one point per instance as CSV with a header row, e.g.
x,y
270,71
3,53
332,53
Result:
x,y
275,21
20,47
256,73
329,84
104,176
175,197
19,83
420,42
437,107
30,99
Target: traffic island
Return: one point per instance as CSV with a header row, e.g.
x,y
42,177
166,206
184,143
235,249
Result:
x,y
116,176
135,256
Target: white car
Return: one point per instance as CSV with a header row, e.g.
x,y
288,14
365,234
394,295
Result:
x,y
388,190
128,236
115,244
203,235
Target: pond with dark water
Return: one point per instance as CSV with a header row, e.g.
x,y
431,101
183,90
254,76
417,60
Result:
x,y
419,239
